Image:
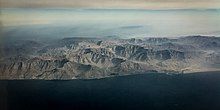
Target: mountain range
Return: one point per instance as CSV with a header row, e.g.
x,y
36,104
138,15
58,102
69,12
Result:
x,y
91,58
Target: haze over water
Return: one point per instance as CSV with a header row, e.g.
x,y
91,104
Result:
x,y
124,23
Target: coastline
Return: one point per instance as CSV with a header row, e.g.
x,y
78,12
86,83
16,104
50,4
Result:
x,y
120,76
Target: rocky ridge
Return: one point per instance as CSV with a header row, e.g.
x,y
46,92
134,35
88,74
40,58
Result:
x,y
89,58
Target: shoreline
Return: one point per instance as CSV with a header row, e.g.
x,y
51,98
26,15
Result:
x,y
120,76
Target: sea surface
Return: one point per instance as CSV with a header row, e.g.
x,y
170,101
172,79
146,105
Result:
x,y
196,91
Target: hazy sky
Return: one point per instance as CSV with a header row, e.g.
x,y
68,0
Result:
x,y
143,4
38,21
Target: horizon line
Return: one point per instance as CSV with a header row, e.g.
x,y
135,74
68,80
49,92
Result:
x,y
110,8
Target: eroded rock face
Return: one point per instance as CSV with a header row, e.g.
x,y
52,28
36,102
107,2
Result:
x,y
139,53
76,58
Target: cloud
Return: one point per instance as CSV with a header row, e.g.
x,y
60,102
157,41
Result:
x,y
148,4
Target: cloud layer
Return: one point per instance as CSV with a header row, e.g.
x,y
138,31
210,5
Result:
x,y
143,4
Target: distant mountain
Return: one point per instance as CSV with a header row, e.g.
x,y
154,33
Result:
x,y
204,42
88,58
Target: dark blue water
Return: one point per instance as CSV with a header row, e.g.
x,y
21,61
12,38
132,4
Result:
x,y
200,91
